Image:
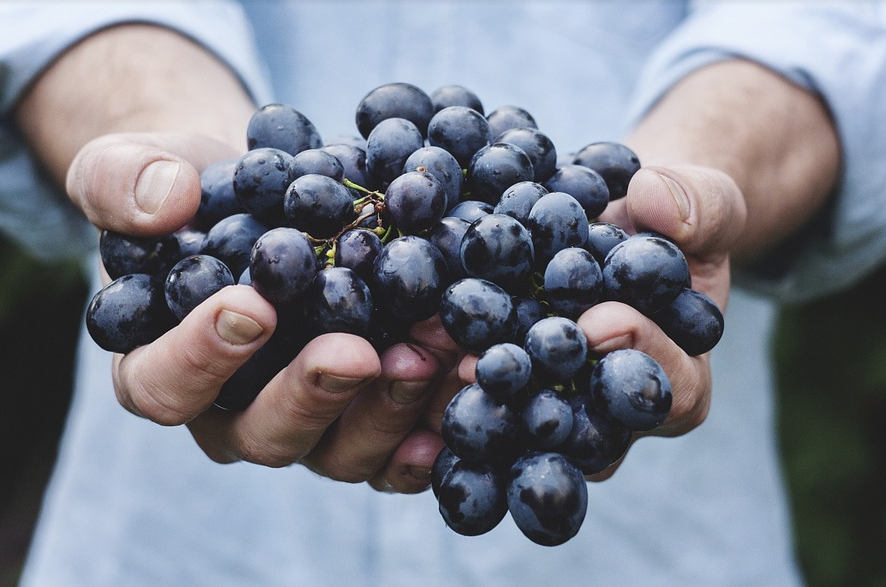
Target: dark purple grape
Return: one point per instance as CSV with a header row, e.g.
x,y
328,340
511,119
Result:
x,y
123,254
507,117
503,370
128,312
595,442
693,321
527,312
496,247
230,240
558,349
447,235
280,126
573,282
357,249
472,499
409,278
441,164
442,464
518,200
460,130
633,388
455,95
538,146
415,201
317,161
318,205
547,497
471,210
190,241
646,272
260,180
192,280
583,184
478,428
282,265
494,168
394,100
389,145
337,300
217,197
602,236
477,314
557,221
547,420
615,162
353,160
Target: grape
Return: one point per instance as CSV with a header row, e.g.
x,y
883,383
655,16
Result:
x,y
615,162
123,254
693,321
443,462
494,168
280,126
260,179
538,147
645,271
217,197
556,221
317,161
547,497
547,420
573,282
357,249
498,248
416,201
190,241
472,498
633,388
460,130
282,265
602,236
128,312
558,349
477,314
527,311
447,236
442,165
507,117
409,278
230,240
337,300
471,210
318,205
389,145
503,370
583,184
455,95
595,442
518,200
353,161
478,428
394,100
192,280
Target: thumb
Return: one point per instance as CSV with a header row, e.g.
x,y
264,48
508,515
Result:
x,y
142,183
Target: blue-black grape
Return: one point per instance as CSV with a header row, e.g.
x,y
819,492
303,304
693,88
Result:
x,y
282,265
280,126
633,388
460,130
318,205
558,349
192,280
443,462
409,278
507,117
583,184
471,210
447,236
122,254
478,428
573,282
496,247
556,221
477,314
538,147
260,180
441,164
230,240
494,168
471,498
693,321
615,162
527,311
595,441
602,236
357,249
318,161
128,312
394,100
503,370
547,497
547,420
518,200
389,145
353,161
455,95
415,200
337,300
217,196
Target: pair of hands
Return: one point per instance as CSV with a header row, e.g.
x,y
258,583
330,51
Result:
x,y
339,408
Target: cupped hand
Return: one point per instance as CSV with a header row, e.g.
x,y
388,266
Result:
x,y
339,408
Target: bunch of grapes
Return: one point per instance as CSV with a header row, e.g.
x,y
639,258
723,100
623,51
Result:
x,y
436,208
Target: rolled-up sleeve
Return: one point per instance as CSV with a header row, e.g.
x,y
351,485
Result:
x,y
32,36
837,50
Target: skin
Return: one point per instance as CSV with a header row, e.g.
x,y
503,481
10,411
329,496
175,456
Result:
x,y
372,418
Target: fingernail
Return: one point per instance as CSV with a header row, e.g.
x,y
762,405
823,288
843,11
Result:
x,y
236,328
419,473
406,392
623,341
337,384
154,185
680,197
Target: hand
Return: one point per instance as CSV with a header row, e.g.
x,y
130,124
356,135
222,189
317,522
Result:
x,y
338,408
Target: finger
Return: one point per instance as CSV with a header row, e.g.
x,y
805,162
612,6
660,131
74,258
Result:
x,y
611,326
142,183
290,415
409,469
381,416
175,378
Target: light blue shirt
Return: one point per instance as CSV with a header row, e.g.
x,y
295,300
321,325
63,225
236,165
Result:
x,y
135,504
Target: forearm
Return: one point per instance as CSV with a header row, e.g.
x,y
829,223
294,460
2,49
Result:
x,y
774,139
131,78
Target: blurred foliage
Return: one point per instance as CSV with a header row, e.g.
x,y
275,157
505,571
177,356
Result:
x,y
830,358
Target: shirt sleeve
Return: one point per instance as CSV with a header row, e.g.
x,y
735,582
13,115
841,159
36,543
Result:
x,y
32,35
837,50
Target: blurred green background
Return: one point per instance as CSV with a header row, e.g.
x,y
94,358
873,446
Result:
x,y
831,367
